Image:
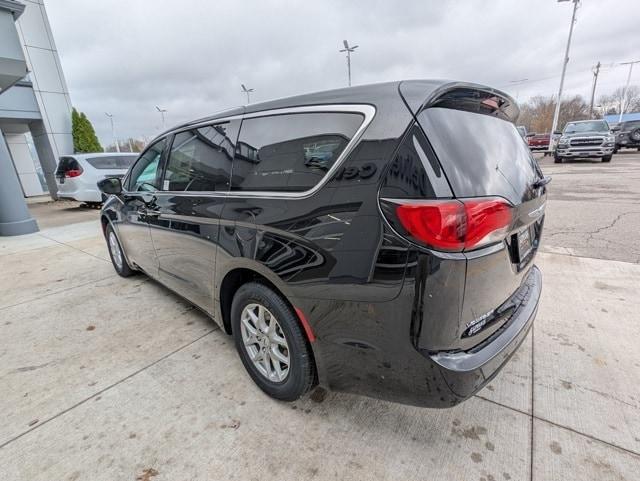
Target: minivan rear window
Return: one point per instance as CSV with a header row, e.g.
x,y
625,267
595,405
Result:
x,y
292,152
481,155
65,165
112,161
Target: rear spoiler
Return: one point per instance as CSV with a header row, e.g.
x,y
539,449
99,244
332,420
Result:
x,y
472,98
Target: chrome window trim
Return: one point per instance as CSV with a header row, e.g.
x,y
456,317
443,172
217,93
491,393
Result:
x,y
367,110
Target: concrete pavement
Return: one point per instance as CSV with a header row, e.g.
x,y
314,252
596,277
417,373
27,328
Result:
x,y
594,207
118,379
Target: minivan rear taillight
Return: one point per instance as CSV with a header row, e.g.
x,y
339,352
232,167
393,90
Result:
x,y
73,172
455,225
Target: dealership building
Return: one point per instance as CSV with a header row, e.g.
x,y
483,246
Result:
x,y
35,109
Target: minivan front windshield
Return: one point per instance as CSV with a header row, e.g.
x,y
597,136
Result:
x,y
591,126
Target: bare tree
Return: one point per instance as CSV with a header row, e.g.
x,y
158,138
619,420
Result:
x,y
612,102
537,114
127,145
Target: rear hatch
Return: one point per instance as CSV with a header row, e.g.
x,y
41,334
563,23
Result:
x,y
67,170
486,163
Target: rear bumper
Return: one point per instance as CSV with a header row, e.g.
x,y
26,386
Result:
x,y
366,348
630,144
78,193
467,372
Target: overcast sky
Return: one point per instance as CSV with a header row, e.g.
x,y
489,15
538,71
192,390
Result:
x,y
190,57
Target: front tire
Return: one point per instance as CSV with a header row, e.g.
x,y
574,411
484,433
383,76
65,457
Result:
x,y
557,159
116,253
271,342
607,158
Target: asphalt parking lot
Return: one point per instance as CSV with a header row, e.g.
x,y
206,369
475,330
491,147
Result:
x,y
105,378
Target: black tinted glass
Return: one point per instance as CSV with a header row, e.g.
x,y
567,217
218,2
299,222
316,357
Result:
x,y
66,164
200,159
112,161
144,172
290,152
481,155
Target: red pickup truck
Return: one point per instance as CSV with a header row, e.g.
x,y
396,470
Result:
x,y
539,141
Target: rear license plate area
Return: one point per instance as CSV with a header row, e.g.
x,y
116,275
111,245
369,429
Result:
x,y
524,244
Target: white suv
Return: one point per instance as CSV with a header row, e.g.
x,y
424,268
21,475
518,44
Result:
x,y
77,175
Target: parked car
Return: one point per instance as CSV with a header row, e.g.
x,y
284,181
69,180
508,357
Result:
x,y
585,139
523,131
78,175
399,266
539,141
627,135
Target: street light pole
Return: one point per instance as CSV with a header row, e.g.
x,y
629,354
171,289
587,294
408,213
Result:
x,y
556,114
349,50
113,131
596,72
162,112
626,88
247,91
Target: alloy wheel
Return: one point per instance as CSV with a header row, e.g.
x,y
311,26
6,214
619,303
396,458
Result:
x,y
116,252
265,342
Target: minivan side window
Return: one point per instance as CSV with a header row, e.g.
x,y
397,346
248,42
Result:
x,y
143,175
200,159
291,152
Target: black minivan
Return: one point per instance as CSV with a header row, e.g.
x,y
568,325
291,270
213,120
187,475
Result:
x,y
376,240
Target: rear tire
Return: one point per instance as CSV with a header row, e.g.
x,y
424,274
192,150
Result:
x,y
117,254
607,158
271,342
634,135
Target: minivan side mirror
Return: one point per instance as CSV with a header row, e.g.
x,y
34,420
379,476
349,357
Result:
x,y
557,132
110,185
615,128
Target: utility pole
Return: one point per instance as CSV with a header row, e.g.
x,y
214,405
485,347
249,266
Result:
x,y
113,131
596,71
626,88
556,114
247,91
349,50
162,112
